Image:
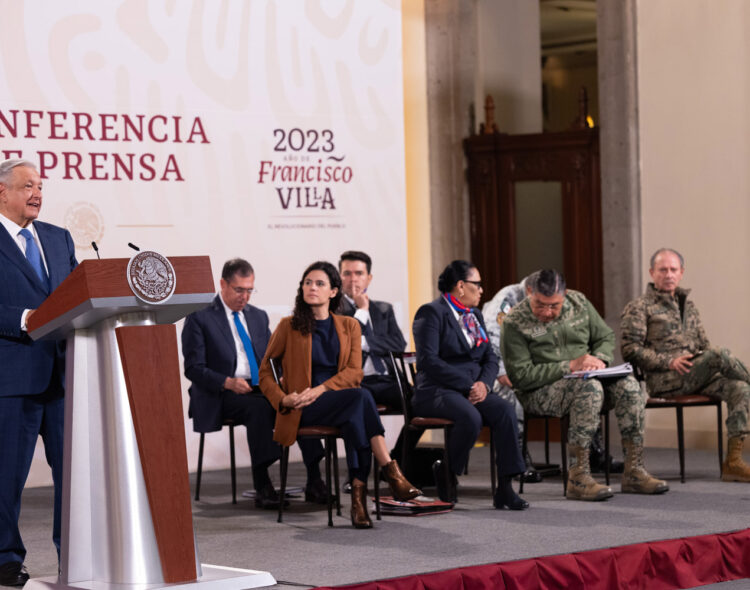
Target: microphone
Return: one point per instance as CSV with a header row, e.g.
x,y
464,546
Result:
x,y
96,249
134,247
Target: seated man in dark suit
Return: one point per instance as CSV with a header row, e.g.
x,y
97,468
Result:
x,y
223,345
380,332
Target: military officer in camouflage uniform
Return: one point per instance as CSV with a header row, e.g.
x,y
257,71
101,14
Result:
x,y
663,335
552,333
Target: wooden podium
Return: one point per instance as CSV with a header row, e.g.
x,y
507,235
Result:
x,y
126,513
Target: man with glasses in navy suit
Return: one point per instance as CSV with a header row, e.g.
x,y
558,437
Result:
x,y
223,345
35,257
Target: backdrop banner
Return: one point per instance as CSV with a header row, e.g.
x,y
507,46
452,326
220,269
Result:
x,y
270,130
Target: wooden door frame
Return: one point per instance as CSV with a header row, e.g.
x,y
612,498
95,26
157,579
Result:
x,y
496,162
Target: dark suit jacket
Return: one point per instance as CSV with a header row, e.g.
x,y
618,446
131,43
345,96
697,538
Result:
x,y
295,352
29,367
385,335
444,358
210,357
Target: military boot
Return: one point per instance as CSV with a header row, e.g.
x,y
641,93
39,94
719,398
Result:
x,y
580,485
635,478
734,468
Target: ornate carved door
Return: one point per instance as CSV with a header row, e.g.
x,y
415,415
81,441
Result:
x,y
536,203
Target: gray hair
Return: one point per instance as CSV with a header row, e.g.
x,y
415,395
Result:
x,y
6,168
526,282
547,282
661,251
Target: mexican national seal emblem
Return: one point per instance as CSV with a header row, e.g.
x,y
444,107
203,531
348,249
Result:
x,y
85,223
151,277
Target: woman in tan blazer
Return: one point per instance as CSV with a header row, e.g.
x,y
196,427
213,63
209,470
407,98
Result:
x,y
321,360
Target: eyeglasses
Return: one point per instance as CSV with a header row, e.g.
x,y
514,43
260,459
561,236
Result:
x,y
477,284
542,306
241,291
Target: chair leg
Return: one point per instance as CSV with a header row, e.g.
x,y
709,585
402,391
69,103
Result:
x,y
681,442
524,448
200,468
376,485
606,448
327,443
493,467
446,457
336,475
283,467
232,465
564,425
719,420
546,441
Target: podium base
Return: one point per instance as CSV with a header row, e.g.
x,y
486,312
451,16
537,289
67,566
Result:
x,y
215,577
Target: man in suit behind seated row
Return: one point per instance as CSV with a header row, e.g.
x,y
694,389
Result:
x,y
380,332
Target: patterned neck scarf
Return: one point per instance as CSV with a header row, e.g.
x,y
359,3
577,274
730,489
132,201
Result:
x,y
468,319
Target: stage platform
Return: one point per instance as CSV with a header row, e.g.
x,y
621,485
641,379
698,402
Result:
x,y
304,552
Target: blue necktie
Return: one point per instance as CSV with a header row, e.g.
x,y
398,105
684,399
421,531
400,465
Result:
x,y
34,256
248,344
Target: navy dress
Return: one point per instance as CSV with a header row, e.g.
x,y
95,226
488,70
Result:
x,y
352,410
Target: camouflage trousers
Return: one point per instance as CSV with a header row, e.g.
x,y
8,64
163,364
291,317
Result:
x,y
718,372
582,399
509,395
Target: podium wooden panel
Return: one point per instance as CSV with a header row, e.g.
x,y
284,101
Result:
x,y
149,358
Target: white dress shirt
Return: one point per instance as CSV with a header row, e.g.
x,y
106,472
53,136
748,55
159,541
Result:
x,y
457,315
363,315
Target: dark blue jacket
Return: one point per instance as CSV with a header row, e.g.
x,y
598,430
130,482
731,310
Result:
x,y
444,358
27,366
210,357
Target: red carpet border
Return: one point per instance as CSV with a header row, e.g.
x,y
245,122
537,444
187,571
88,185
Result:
x,y
660,565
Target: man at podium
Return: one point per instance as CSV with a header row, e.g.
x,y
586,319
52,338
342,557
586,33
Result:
x,y
35,257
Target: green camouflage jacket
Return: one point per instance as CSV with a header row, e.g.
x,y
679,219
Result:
x,y
537,353
656,328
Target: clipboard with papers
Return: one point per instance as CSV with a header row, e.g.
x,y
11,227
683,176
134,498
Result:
x,y
608,372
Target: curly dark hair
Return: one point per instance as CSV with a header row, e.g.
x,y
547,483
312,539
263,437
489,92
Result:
x,y
302,316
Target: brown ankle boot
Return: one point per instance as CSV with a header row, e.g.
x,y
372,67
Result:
x,y
360,518
635,478
580,485
734,468
402,489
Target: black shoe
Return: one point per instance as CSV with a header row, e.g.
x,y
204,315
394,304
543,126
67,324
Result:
x,y
598,458
348,487
315,492
267,498
506,497
13,573
531,475
616,466
597,466
446,482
